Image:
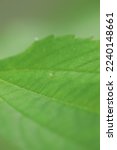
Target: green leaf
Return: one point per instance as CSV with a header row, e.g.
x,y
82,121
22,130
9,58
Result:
x,y
49,96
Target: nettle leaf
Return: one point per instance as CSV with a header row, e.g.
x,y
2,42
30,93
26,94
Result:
x,y
49,96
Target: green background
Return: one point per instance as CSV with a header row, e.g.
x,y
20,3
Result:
x,y
23,21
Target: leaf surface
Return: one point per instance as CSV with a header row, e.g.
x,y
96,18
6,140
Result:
x,y
49,95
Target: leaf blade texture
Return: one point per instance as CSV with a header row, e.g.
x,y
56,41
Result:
x,y
49,95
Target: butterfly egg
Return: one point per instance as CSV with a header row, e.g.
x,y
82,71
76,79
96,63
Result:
x,y
36,39
51,74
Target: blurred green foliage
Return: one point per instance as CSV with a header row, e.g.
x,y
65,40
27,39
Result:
x,y
23,20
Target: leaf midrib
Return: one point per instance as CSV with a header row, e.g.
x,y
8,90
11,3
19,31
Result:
x,y
49,70
53,99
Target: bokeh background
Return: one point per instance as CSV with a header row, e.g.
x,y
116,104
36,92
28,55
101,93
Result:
x,y
23,21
